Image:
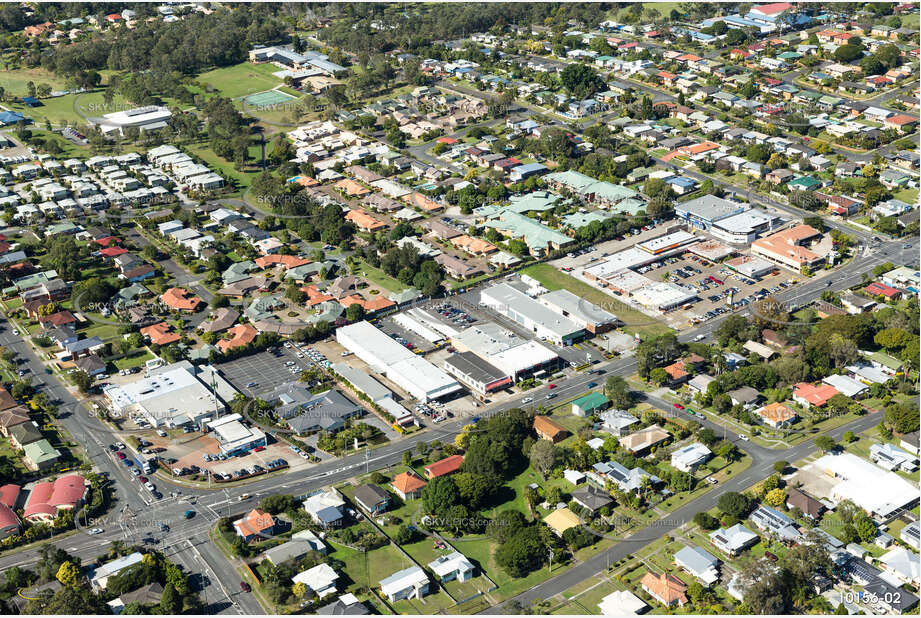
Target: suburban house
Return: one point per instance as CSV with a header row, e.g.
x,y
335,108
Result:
x,y
688,458
411,583
320,580
698,562
776,415
643,440
448,465
454,566
100,576
546,429
372,498
590,404
326,508
255,525
591,499
810,507
408,486
666,589
733,540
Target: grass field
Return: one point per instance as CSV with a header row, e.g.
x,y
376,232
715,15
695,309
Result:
x,y
634,321
909,196
15,81
241,79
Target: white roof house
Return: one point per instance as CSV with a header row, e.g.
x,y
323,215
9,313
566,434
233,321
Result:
x,y
620,603
904,565
453,566
881,495
321,579
698,562
406,584
893,458
689,457
100,577
846,385
733,540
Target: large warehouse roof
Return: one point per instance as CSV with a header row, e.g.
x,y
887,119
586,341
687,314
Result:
x,y
866,485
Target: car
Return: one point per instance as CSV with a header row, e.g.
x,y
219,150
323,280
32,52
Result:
x,y
135,472
143,479
250,384
245,587
15,331
157,495
699,338
711,480
591,385
742,436
258,449
678,406
128,462
551,396
97,531
150,486
551,386
120,455
113,448
189,514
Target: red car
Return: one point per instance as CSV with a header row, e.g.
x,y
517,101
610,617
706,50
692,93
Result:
x,y
120,455
142,479
244,587
259,448
678,405
551,386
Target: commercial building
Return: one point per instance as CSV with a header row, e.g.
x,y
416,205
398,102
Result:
x,y
706,210
882,495
663,295
172,397
536,317
146,118
667,243
307,412
512,355
751,267
475,373
593,318
414,374
233,436
745,227
790,248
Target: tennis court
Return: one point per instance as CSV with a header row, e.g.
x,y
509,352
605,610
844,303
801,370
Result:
x,y
268,97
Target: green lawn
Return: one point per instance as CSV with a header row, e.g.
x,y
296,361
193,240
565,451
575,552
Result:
x,y
15,81
634,321
242,179
241,79
134,360
72,108
380,278
909,196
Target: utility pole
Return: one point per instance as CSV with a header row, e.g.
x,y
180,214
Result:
x,y
550,565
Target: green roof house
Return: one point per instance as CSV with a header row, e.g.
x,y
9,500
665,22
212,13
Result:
x,y
41,455
590,404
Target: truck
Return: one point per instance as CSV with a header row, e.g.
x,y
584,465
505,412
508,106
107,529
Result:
x,y
145,463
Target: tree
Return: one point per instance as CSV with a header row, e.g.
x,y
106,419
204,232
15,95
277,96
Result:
x,y
68,574
581,80
734,504
277,503
706,521
542,457
474,489
299,590
439,495
776,497
780,466
354,312
864,526
523,552
825,443
658,376
765,587
618,391
170,601
403,535
848,53
707,436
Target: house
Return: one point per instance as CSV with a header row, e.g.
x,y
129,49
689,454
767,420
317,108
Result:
x,y
179,299
700,382
408,486
733,540
326,508
666,589
892,457
319,580
100,576
23,434
546,429
562,520
411,583
592,499
448,465
698,562
903,565
856,304
372,498
454,566
254,526
12,417
846,385
812,395
40,455
810,507
744,396
776,415
291,550
909,442
617,422
643,440
590,404
689,458
622,603
775,523
345,605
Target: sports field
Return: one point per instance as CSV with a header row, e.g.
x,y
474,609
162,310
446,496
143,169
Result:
x,y
268,97
241,79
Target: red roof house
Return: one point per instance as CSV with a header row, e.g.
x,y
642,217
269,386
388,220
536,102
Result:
x,y
448,465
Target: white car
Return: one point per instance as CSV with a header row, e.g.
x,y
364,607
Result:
x,y
699,337
527,400
743,437
149,486
96,531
